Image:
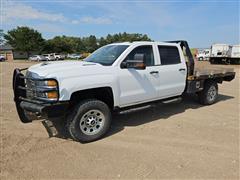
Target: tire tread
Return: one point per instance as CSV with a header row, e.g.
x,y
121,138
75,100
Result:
x,y
202,95
72,120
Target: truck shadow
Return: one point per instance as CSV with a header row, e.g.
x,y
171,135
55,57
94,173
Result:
x,y
158,111
135,117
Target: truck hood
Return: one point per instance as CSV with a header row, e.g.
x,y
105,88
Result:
x,y
67,68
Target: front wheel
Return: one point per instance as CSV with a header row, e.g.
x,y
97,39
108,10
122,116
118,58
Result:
x,y
209,94
89,121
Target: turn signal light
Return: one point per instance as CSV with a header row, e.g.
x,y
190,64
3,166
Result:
x,y
52,95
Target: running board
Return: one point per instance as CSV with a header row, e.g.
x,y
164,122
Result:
x,y
172,100
148,105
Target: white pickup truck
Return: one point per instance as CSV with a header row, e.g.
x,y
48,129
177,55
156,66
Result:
x,y
115,77
203,55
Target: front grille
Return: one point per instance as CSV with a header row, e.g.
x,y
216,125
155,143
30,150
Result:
x,y
31,85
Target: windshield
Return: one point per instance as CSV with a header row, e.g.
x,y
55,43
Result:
x,y
106,55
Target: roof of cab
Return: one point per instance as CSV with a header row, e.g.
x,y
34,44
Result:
x,y
141,42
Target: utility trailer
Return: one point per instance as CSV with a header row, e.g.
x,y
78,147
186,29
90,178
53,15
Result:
x,y
116,77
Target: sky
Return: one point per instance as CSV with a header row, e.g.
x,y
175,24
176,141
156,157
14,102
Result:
x,y
201,23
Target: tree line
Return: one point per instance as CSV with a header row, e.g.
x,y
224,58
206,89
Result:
x,y
28,39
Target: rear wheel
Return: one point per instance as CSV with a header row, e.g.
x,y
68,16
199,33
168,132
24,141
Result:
x,y
209,94
89,121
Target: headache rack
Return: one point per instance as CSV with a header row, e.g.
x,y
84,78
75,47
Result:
x,y
190,61
196,77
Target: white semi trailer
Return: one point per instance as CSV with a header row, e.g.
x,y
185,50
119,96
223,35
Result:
x,y
235,52
224,53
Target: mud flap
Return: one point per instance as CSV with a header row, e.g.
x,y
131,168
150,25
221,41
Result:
x,y
18,80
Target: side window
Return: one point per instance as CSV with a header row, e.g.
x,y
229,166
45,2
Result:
x,y
169,55
146,50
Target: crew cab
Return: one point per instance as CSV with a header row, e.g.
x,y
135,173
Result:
x,y
115,77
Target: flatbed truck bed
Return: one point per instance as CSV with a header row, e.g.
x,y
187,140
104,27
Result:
x,y
206,73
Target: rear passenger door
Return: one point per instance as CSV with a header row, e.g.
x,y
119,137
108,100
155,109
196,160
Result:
x,y
172,71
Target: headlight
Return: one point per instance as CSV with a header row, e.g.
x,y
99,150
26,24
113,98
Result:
x,y
45,83
52,83
43,89
48,90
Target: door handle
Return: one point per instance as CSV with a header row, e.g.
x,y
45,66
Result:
x,y
182,69
154,72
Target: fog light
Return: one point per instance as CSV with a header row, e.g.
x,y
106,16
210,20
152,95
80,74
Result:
x,y
52,95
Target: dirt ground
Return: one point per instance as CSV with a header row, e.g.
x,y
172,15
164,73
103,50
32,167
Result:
x,y
174,141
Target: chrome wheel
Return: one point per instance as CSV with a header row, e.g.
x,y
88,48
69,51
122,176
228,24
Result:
x,y
211,94
92,122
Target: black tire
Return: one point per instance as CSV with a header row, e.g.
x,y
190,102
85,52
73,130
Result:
x,y
212,61
235,61
227,61
209,94
87,131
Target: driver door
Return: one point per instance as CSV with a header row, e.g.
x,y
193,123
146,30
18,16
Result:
x,y
139,85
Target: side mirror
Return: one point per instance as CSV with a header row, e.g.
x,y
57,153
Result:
x,y
137,62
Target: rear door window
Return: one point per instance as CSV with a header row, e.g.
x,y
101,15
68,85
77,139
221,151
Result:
x,y
169,55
